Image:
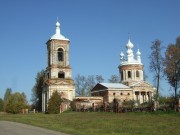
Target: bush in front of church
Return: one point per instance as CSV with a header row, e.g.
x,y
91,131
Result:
x,y
54,103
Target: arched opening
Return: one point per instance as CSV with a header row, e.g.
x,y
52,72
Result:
x,y
137,73
129,74
121,75
61,74
60,54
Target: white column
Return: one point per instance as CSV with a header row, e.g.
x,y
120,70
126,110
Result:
x,y
134,95
140,97
124,75
141,75
42,102
145,96
152,95
134,74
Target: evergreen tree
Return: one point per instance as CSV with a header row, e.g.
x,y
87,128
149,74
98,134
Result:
x,y
6,97
54,103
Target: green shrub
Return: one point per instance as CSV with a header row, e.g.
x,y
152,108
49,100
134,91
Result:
x,y
54,103
16,102
1,105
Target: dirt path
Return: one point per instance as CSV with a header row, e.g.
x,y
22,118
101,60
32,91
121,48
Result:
x,y
13,128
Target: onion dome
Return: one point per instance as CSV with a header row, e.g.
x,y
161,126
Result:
x,y
129,45
138,53
122,54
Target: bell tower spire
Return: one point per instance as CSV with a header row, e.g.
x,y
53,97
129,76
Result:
x,y
58,32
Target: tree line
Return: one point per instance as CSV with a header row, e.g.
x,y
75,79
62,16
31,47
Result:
x,y
84,85
13,102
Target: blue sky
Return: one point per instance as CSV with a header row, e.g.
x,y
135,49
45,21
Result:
x,y
98,31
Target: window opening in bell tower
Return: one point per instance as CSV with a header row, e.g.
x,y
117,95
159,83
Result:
x,y
61,75
60,54
129,74
137,73
122,75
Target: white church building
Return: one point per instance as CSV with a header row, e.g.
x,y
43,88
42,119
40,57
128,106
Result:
x,y
132,85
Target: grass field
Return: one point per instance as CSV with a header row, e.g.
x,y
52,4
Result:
x,y
89,123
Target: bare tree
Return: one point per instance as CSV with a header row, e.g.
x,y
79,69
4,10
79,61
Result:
x,y
99,79
145,76
81,85
172,65
156,63
90,84
114,79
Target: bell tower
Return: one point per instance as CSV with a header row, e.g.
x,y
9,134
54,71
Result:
x,y
58,71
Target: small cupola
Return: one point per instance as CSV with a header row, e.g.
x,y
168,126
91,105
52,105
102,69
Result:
x,y
58,34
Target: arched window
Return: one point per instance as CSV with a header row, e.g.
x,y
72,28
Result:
x,y
137,73
61,74
129,74
60,54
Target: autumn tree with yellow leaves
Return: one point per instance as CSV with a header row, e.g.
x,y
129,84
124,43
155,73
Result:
x,y
172,65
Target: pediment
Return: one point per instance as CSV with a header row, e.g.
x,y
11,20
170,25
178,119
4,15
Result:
x,y
141,84
61,83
